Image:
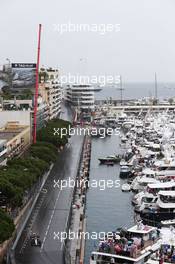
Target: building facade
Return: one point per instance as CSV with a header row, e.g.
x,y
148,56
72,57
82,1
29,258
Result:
x,y
81,96
51,91
14,140
15,105
3,152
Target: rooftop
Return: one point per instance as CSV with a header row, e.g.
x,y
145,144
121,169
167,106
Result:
x,y
11,130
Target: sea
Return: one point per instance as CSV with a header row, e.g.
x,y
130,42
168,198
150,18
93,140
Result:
x,y
106,208
137,90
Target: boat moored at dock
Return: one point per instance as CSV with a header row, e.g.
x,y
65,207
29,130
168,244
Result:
x,y
111,158
134,245
164,210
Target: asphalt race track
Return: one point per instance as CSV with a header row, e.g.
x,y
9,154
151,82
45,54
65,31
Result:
x,y
51,212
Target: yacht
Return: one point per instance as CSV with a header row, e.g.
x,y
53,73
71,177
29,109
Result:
x,y
134,245
166,174
148,200
121,119
165,208
125,171
126,187
161,186
165,165
128,124
165,253
150,194
141,182
111,158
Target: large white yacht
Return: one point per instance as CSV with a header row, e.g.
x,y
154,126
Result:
x,y
134,245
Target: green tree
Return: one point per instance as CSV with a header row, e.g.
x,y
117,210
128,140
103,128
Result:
x,y
44,153
47,134
6,226
171,101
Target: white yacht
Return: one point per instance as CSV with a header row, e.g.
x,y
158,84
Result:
x,y
141,182
166,253
151,193
165,208
147,200
134,245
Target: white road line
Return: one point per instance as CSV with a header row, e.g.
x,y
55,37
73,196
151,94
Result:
x,y
45,236
63,243
33,217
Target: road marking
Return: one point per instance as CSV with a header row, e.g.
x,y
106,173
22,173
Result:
x,y
32,220
44,191
63,243
47,229
23,246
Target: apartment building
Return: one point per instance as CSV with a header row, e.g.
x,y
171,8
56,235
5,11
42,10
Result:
x,y
15,133
51,91
14,140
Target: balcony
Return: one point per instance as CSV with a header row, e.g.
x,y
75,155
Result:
x,y
3,152
16,150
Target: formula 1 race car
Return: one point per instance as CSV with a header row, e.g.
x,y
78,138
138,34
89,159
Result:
x,y
35,240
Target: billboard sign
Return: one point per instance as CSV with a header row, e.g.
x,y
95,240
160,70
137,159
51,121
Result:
x,y
23,76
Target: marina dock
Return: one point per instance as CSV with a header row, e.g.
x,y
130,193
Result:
x,y
147,144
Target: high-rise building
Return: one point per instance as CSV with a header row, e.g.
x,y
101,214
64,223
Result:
x,y
51,91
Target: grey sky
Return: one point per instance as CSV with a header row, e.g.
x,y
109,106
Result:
x,y
145,43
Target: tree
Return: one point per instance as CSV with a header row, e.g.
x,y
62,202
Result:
x,y
21,174
7,226
171,101
47,134
7,189
26,94
43,152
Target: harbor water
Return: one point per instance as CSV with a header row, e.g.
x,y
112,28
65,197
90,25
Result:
x,y
137,91
108,209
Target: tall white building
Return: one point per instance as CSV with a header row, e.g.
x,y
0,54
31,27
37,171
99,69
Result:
x,y
51,91
81,96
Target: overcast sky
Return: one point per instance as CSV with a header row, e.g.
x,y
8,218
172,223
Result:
x,y
145,43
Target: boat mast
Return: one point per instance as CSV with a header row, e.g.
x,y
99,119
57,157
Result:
x,y
156,86
121,90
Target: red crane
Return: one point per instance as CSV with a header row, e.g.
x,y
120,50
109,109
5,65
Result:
x,y
36,87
